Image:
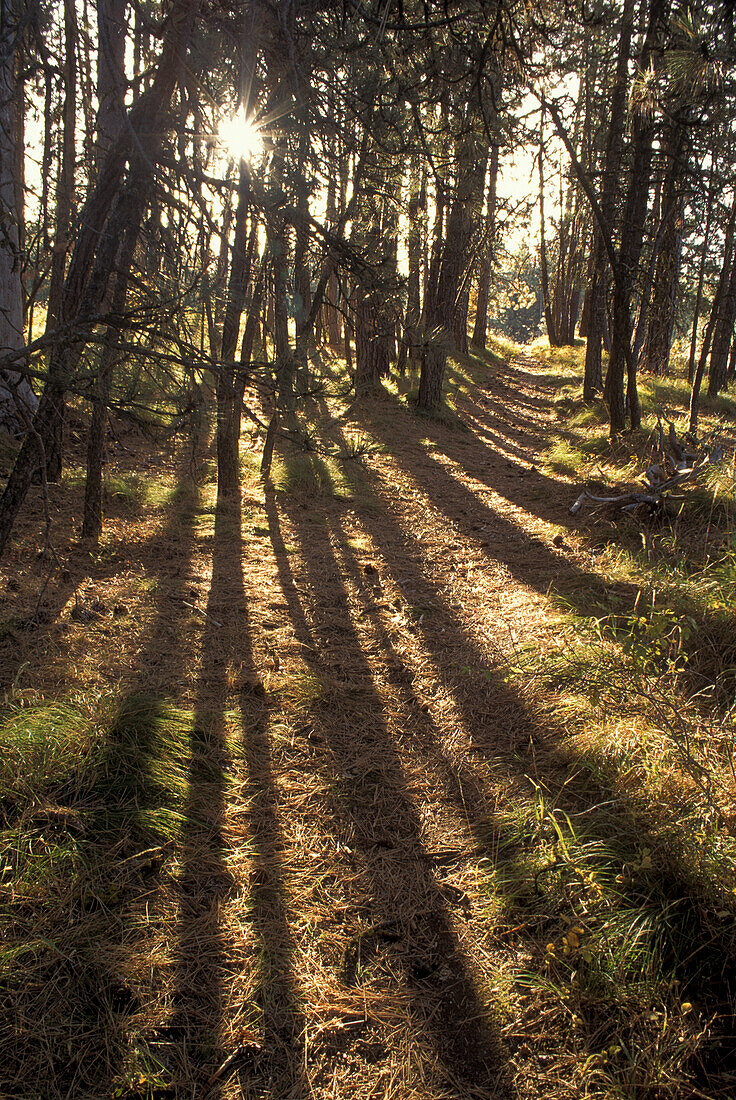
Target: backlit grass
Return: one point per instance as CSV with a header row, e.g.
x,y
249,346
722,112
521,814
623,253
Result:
x,y
93,792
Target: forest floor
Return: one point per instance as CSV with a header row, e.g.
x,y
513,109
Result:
x,y
308,821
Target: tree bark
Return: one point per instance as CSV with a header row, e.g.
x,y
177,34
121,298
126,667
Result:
x,y
661,316
480,329
471,154
228,406
593,378
93,510
543,270
98,243
621,363
63,221
18,402
701,277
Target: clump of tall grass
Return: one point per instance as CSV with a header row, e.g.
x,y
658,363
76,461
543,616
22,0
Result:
x,y
93,792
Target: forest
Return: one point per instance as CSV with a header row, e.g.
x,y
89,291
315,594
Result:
x,y
367,549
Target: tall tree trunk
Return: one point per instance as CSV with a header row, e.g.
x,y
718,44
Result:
x,y
722,334
228,406
661,317
331,317
409,339
93,511
471,153
593,378
64,203
111,79
543,270
701,277
98,242
480,329
621,362
18,401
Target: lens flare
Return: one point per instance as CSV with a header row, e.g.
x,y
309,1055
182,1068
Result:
x,y
241,138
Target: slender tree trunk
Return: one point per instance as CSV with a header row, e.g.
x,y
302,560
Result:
x,y
97,246
543,271
727,268
407,350
593,379
64,203
228,406
480,329
93,511
471,160
701,278
18,401
331,303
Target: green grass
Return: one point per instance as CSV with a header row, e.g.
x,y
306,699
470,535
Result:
x,y
570,358
625,912
138,489
131,491
502,347
93,793
639,680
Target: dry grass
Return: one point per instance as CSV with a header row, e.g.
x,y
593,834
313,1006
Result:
x,y
285,813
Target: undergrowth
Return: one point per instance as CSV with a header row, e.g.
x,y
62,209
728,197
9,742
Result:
x,y
92,798
635,895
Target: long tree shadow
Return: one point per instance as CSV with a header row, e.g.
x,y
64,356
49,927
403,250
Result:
x,y
529,559
30,627
115,835
191,1042
499,724
406,926
269,1050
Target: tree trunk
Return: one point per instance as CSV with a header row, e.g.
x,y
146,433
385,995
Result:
x,y
661,316
593,379
111,80
722,334
409,339
93,512
471,158
64,203
621,362
228,406
701,277
97,246
18,401
480,329
543,271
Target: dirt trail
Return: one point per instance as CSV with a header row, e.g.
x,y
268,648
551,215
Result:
x,y
329,927
380,624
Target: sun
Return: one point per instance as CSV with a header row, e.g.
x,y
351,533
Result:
x,y
241,137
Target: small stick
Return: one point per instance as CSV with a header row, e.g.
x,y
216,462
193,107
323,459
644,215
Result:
x,y
199,611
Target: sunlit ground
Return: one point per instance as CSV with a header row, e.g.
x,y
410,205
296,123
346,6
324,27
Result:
x,y
311,817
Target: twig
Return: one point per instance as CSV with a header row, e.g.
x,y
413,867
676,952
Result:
x,y
199,611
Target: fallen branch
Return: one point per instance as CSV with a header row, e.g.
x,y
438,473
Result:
x,y
677,465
